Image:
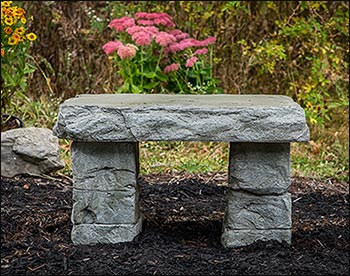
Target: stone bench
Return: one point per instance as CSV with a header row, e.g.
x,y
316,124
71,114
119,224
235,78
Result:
x,y
106,129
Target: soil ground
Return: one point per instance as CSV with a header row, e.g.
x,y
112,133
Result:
x,y
181,231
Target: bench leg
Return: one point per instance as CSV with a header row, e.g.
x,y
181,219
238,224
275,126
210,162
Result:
x,y
105,192
258,201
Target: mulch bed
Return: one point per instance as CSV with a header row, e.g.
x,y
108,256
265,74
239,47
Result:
x,y
181,231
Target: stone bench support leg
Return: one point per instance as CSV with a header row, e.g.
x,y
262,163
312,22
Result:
x,y
258,201
105,192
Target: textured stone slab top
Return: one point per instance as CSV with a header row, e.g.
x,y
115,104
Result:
x,y
160,117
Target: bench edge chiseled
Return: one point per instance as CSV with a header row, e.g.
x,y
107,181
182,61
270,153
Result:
x,y
234,118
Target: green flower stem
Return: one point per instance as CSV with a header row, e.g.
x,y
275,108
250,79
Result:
x,y
198,78
178,84
160,56
130,73
211,61
141,66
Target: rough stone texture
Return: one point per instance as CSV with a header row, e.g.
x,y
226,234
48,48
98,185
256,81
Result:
x,y
105,179
238,238
105,165
31,150
248,211
261,168
113,207
156,117
105,233
105,192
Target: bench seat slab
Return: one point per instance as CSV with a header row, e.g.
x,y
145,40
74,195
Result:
x,y
160,117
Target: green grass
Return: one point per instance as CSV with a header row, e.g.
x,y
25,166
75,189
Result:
x,y
326,156
40,112
192,157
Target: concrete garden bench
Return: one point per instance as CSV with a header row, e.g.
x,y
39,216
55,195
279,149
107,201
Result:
x,y
106,129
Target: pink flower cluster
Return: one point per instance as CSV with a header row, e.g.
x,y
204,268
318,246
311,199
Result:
x,y
191,61
164,39
120,24
111,46
142,35
179,35
143,30
171,67
123,51
202,51
156,18
189,42
127,51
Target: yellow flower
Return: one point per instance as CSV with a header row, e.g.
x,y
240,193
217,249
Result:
x,y
12,41
9,21
17,36
19,30
23,20
9,12
31,36
6,3
8,30
19,12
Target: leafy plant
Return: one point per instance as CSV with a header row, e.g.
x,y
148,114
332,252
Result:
x,y
246,32
15,42
302,52
152,56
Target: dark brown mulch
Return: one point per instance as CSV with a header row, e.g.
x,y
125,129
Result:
x,y
181,231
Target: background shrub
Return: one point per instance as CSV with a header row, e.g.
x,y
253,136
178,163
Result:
x,y
294,48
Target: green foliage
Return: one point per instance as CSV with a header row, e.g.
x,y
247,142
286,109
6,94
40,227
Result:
x,y
305,51
294,48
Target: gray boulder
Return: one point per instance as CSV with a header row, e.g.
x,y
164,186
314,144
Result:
x,y
31,150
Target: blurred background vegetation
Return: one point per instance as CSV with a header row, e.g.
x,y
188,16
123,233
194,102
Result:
x,y
294,48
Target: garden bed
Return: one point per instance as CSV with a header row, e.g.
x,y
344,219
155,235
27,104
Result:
x,y
181,231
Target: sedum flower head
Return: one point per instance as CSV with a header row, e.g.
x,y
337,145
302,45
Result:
x,y
157,18
142,38
111,46
127,51
191,61
164,39
202,51
120,24
171,67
